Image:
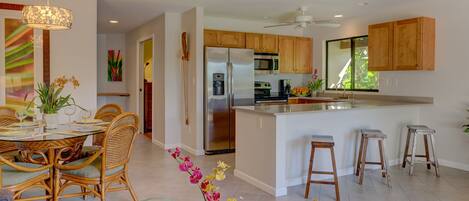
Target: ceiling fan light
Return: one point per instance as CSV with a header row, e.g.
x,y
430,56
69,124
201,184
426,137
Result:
x,y
47,17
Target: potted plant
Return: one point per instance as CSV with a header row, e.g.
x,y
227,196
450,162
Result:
x,y
51,100
315,85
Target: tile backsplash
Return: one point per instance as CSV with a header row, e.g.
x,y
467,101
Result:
x,y
296,79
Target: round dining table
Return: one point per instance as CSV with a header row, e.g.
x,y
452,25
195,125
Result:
x,y
49,146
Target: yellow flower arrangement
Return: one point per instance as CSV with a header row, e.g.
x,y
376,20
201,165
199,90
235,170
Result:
x,y
50,95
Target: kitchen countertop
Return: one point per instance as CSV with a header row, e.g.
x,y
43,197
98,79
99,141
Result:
x,y
326,107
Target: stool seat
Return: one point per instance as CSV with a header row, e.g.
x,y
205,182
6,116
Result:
x,y
372,133
419,129
322,139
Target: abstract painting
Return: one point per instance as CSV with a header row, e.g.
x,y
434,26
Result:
x,y
114,69
19,63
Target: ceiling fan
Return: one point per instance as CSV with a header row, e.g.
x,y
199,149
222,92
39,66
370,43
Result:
x,y
302,20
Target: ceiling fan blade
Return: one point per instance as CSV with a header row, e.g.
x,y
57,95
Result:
x,y
280,25
327,23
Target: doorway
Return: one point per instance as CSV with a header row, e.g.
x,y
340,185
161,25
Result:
x,y
146,85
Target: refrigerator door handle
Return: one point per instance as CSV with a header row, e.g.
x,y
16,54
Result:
x,y
230,87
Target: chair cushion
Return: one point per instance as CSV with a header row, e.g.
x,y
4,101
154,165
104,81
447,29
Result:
x,y
11,176
91,171
89,150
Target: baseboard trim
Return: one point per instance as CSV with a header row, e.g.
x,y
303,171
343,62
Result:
x,y
259,184
340,172
196,152
164,146
455,165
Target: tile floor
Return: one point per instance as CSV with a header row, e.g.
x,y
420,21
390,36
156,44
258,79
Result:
x,y
155,176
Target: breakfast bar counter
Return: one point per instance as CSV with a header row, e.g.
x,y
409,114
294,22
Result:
x,y
272,141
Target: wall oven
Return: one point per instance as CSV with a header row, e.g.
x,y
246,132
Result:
x,y
266,62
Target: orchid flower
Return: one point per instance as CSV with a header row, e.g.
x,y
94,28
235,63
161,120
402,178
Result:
x,y
206,186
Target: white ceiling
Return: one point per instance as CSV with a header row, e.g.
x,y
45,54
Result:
x,y
132,13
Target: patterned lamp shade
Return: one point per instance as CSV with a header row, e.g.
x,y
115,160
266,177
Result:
x,y
47,17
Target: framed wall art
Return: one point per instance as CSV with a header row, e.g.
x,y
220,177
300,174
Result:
x,y
24,57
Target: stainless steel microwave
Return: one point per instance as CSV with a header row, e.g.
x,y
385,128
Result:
x,y
266,62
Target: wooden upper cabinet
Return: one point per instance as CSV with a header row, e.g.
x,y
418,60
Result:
x,y
269,43
286,53
402,45
295,53
253,41
303,55
232,39
262,43
414,44
215,38
211,38
380,47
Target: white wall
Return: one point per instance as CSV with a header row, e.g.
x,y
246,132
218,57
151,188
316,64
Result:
x,y
166,86
192,23
447,84
110,42
230,24
73,52
154,28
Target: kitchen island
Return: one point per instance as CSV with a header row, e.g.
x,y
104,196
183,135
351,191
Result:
x,y
272,141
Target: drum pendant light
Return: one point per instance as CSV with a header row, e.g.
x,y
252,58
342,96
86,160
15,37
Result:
x,y
47,17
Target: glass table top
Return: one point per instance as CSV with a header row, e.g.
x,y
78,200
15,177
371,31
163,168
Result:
x,y
35,133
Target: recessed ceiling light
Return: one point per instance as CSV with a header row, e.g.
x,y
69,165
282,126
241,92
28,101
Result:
x,y
363,3
267,17
113,21
338,16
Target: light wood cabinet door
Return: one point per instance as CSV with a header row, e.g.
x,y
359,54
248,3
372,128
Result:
x,y
303,55
414,44
232,39
262,43
253,41
407,52
380,47
211,38
269,43
286,54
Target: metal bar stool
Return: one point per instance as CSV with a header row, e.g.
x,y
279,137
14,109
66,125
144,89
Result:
x,y
367,134
322,141
428,134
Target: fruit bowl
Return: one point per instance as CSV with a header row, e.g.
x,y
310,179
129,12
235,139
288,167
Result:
x,y
300,91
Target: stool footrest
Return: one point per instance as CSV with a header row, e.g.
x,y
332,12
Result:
x,y
373,163
420,162
420,156
323,182
322,172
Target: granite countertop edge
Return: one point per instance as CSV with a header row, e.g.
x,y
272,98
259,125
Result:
x,y
361,106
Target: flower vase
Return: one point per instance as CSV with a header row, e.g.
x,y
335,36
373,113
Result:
x,y
314,94
51,120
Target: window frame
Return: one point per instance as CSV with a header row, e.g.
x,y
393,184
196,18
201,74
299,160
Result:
x,y
352,56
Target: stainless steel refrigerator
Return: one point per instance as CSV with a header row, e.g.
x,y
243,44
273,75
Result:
x,y
229,81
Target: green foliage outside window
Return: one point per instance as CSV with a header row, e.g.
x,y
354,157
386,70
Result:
x,y
357,76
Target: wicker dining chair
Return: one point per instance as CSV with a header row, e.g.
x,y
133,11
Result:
x,y
8,111
106,113
6,147
18,177
98,173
